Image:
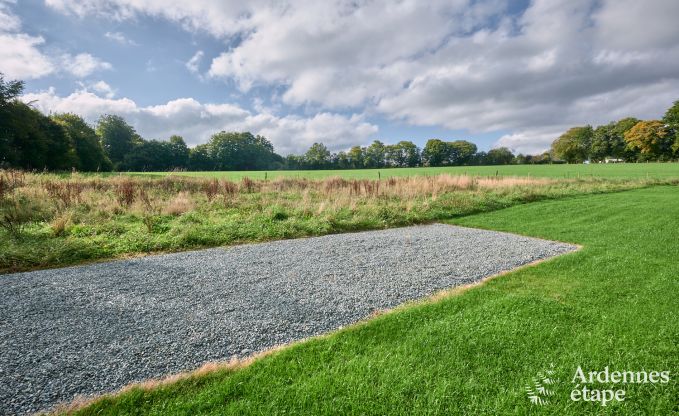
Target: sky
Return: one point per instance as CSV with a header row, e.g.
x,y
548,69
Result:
x,y
498,73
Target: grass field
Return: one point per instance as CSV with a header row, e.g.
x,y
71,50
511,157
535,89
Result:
x,y
613,303
612,170
50,220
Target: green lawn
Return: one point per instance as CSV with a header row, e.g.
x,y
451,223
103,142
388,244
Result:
x,y
614,170
613,303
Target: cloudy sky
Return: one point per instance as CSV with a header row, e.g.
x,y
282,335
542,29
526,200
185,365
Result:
x,y
499,73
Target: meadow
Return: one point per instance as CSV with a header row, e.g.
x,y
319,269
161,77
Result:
x,y
55,220
561,171
612,303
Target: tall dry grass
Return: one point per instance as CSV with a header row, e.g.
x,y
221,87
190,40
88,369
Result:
x,y
68,219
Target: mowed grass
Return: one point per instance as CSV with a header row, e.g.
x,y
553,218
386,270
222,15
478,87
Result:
x,y
598,170
613,303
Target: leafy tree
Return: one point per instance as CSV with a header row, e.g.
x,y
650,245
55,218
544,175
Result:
x,y
199,158
30,140
356,157
651,138
317,157
619,148
374,155
461,152
89,154
340,160
671,120
435,152
179,153
602,142
574,145
403,154
241,151
9,90
499,156
117,138
294,162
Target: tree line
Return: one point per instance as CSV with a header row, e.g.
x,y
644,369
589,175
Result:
x,y
59,142
34,141
628,140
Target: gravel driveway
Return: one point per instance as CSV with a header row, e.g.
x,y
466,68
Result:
x,y
93,329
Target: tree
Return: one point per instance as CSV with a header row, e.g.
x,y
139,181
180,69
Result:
x,y
574,145
461,152
671,120
356,157
199,158
117,138
435,152
340,160
499,156
89,154
30,140
179,153
9,90
294,162
602,142
403,154
241,151
374,155
317,157
619,148
650,138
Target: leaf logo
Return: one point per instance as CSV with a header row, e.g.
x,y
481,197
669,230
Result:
x,y
539,390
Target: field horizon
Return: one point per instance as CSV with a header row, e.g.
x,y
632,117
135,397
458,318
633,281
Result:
x,y
601,170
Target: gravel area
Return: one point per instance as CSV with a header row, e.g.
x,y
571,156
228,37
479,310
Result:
x,y
92,329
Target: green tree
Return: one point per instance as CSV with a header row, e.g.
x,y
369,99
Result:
x,y
602,142
340,160
241,151
294,162
619,148
403,154
179,152
499,156
356,156
374,155
650,138
461,152
9,90
199,158
671,120
574,145
89,154
30,140
117,138
317,157
435,153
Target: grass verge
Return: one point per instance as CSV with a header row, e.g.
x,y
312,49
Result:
x,y
613,303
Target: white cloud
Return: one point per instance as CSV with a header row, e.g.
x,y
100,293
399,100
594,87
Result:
x,y
8,21
21,58
83,64
103,88
193,64
220,18
196,121
120,38
459,64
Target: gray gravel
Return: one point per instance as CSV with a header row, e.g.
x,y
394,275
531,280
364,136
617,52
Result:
x,y
93,329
